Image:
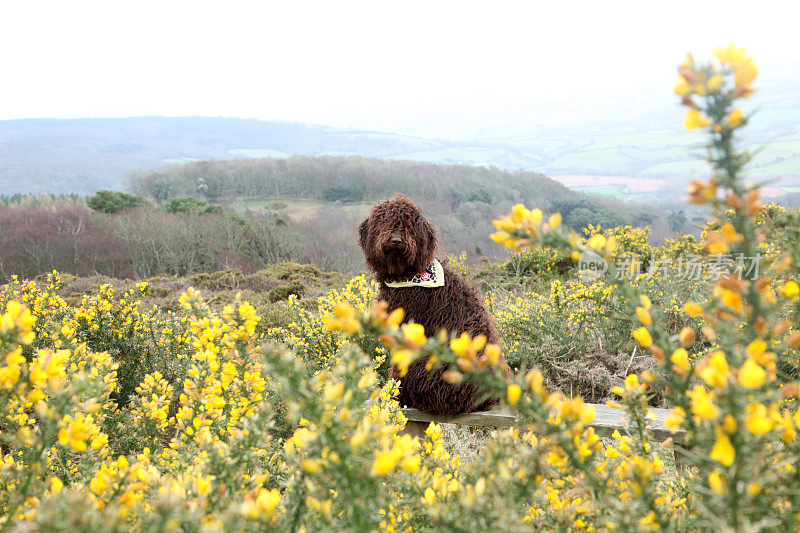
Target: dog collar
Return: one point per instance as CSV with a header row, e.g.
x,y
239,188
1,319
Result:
x,y
432,277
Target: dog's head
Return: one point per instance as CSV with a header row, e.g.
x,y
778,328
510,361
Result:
x,y
398,242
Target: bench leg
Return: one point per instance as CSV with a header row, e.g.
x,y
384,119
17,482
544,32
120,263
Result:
x,y
680,460
415,429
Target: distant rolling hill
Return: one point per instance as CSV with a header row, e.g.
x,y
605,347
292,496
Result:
x,y
84,155
630,146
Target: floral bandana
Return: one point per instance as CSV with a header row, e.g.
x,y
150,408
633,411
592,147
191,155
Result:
x,y
432,277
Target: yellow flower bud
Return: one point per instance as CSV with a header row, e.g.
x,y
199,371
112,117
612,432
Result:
x,y
686,336
703,403
492,353
714,82
644,316
267,501
675,419
513,393
598,242
535,379
729,424
312,466
734,117
756,348
395,317
384,463
461,345
680,359
643,337
403,359
693,309
746,72
682,88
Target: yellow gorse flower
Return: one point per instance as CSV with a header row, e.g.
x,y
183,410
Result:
x,y
676,417
264,504
757,421
75,432
11,371
716,371
751,375
402,451
723,451
695,120
414,334
702,403
717,482
345,319
18,318
744,67
790,290
730,55
403,359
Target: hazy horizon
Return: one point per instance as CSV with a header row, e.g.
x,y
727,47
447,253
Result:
x,y
369,66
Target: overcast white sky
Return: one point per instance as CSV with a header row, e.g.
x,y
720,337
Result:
x,y
361,64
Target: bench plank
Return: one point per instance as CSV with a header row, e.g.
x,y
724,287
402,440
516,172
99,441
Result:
x,y
606,420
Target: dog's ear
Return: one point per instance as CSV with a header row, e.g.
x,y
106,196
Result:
x,y
363,230
427,249
429,230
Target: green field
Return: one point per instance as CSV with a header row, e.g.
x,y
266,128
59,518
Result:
x,y
294,208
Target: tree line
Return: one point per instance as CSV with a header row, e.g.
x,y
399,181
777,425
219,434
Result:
x,y
138,242
176,220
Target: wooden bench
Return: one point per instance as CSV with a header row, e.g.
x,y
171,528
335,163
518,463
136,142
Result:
x,y
606,420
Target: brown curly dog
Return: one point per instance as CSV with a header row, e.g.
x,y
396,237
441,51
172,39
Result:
x,y
399,245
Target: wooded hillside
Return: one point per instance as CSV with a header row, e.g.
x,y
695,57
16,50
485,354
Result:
x,y
356,179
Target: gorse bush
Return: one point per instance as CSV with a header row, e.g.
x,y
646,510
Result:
x,y
110,202
140,340
740,423
233,431
318,345
191,205
345,193
575,327
534,261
